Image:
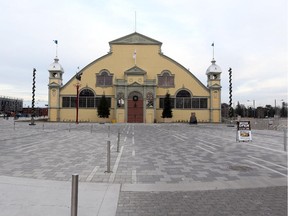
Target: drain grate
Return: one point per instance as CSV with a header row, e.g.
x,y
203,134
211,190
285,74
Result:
x,y
240,168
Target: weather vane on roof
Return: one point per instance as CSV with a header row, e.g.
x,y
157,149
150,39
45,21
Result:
x,y
56,42
213,49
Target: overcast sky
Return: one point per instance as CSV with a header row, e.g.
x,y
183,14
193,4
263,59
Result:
x,y
250,36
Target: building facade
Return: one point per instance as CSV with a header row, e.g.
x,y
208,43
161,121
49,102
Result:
x,y
10,106
134,76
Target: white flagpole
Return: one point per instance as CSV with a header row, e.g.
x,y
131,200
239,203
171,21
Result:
x,y
135,22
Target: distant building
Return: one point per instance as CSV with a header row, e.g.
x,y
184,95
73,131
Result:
x,y
10,105
39,112
135,76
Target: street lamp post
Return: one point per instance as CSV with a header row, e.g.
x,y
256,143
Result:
x,y
77,100
78,77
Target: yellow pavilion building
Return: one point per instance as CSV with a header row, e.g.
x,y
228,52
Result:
x,y
134,76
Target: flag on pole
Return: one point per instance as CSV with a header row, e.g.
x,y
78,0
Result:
x,y
134,56
212,44
55,41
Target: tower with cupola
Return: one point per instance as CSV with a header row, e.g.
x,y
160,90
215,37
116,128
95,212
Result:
x,y
214,85
55,82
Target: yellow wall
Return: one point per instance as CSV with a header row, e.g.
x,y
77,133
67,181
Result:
x,y
84,115
184,115
149,115
120,116
149,59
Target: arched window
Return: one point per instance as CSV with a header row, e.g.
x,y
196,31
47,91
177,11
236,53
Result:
x,y
166,79
149,100
86,93
104,78
183,99
86,98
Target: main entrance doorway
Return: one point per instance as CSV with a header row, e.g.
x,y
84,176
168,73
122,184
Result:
x,y
135,108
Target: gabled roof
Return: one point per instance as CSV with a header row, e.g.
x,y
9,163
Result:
x,y
135,38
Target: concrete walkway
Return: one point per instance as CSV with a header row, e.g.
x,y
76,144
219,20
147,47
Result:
x,y
21,196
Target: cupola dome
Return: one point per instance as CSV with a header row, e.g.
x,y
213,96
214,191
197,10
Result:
x,y
55,66
213,68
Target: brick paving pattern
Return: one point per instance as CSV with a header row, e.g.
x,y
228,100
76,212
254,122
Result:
x,y
245,202
153,154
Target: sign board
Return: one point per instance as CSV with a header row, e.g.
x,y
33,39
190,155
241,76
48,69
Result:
x,y
244,131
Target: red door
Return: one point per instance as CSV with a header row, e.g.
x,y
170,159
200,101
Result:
x,y
135,111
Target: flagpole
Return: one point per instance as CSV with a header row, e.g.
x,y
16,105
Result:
x,y
135,21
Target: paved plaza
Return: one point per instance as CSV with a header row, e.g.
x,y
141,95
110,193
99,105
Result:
x,y
160,169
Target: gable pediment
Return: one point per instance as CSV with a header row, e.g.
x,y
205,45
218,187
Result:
x,y
215,85
53,84
135,71
135,38
135,84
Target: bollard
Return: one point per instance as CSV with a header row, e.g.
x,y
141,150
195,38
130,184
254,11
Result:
x,y
285,140
118,141
74,195
108,157
43,127
108,131
69,127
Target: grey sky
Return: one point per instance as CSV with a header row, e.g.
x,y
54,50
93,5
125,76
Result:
x,y
250,36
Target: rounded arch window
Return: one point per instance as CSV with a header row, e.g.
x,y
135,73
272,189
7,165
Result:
x,y
183,93
165,79
86,93
86,98
166,73
104,73
104,78
183,99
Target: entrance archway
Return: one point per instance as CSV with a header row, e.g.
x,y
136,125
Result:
x,y
135,107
